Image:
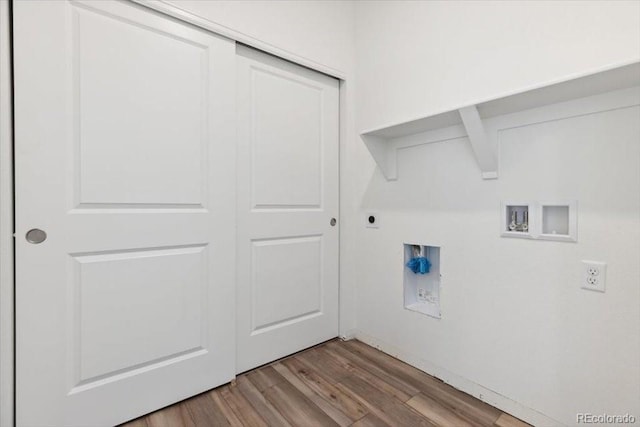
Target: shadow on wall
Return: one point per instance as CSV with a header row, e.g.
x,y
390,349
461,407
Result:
x,y
438,176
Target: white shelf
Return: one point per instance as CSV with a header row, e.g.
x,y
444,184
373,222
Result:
x,y
379,141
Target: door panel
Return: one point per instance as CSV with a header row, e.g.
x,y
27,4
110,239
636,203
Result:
x,y
286,142
285,298
287,195
125,156
170,281
110,122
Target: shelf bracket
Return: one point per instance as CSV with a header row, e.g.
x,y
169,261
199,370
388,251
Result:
x,y
384,153
485,155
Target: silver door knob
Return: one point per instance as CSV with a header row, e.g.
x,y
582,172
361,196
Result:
x,y
333,222
35,236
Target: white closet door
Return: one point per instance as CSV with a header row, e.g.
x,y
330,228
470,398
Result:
x,y
287,196
125,157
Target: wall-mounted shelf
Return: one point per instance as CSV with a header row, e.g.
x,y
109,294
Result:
x,y
469,119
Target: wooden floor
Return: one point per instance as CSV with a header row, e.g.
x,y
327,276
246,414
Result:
x,y
335,383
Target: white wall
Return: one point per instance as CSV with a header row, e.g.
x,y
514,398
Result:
x,y
417,58
515,327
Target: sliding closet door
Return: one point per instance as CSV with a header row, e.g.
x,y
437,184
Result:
x,y
287,206
125,158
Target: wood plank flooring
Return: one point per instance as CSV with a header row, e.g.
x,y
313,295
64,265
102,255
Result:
x,y
334,384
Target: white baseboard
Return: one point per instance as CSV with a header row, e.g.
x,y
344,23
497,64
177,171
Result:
x,y
348,335
488,396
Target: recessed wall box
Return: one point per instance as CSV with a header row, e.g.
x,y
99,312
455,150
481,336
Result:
x,y
517,220
422,291
558,221
540,220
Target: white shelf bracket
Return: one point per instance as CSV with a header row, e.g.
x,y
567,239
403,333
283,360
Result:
x,y
384,153
480,143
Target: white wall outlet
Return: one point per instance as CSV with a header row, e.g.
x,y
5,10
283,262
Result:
x,y
372,219
422,294
594,275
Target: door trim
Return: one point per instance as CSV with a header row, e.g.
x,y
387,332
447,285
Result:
x,y
6,221
220,29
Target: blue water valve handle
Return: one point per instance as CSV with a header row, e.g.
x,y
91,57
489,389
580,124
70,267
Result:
x,y
419,265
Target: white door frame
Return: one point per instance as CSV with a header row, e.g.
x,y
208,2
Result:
x,y
6,220
230,33
6,173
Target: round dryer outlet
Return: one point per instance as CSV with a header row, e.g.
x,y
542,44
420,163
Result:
x,y
372,219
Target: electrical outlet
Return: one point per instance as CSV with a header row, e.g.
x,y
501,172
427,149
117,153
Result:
x,y
372,219
593,270
594,275
422,294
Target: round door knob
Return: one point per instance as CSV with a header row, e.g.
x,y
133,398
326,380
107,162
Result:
x,y
333,222
35,236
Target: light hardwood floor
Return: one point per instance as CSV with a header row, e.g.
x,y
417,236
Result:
x,y
334,384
